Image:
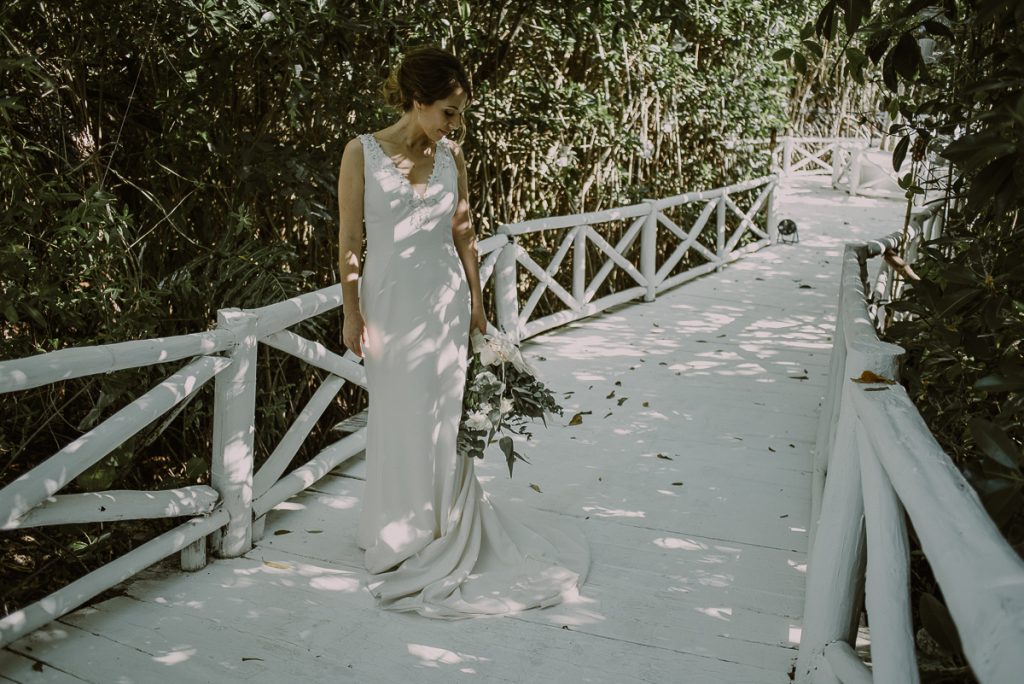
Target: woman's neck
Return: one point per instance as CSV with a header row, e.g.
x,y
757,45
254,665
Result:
x,y
408,133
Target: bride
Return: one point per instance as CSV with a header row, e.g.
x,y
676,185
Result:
x,y
435,542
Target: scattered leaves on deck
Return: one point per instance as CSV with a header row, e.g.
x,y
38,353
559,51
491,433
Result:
x,y
535,488
623,400
610,394
667,458
278,533
677,484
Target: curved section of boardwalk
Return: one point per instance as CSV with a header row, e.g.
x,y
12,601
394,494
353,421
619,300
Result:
x,y
690,473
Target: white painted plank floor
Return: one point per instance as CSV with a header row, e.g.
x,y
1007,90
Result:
x,y
690,475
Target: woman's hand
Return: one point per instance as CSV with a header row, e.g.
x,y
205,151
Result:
x,y
478,319
353,332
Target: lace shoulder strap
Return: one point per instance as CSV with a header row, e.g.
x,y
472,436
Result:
x,y
446,154
372,151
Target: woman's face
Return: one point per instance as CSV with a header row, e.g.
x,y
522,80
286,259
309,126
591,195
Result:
x,y
440,118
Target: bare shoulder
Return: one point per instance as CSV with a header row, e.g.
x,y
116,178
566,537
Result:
x,y
352,160
353,148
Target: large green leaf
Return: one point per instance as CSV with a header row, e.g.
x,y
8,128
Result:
x,y
1000,383
994,442
900,152
907,57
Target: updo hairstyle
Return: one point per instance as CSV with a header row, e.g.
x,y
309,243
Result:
x,y
426,74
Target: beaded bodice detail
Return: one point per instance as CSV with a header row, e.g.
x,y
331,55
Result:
x,y
384,167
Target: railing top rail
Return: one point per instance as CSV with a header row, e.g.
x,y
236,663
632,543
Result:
x,y
687,197
981,576
573,220
77,362
858,330
491,244
281,315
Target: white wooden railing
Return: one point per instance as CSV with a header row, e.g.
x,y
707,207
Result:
x,y
647,276
875,460
231,510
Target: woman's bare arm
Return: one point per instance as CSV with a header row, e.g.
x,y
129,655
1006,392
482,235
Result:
x,y
350,242
464,237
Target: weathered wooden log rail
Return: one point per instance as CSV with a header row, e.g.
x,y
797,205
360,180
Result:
x,y
875,460
230,512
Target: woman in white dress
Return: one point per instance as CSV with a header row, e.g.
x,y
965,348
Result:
x,y
435,542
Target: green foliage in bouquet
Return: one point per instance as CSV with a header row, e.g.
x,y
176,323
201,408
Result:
x,y
503,394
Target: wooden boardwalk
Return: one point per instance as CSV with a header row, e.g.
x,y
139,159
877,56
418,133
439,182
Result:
x,y
690,474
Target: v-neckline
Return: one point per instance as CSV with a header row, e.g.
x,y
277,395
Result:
x,y
394,166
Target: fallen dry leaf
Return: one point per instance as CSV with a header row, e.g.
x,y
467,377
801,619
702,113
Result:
x,y
869,377
667,458
578,418
535,488
278,566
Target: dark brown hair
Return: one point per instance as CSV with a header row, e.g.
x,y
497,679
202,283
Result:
x,y
426,74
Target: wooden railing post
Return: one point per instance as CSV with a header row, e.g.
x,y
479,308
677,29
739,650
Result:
x,y
855,164
835,559
787,154
233,433
837,163
720,230
506,288
648,251
579,267
771,219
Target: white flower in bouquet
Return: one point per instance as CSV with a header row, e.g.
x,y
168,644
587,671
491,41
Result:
x,y
497,349
506,405
478,420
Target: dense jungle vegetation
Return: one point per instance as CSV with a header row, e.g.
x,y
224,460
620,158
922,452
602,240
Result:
x,y
159,161
950,74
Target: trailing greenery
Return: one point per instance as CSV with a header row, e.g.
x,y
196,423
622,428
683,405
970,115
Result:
x,y
951,74
159,161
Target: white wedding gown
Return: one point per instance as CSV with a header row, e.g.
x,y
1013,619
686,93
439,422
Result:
x,y
435,542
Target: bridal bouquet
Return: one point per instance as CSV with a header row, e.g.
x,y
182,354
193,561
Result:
x,y
502,393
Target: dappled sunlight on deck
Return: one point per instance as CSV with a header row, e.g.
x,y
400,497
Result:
x,y
688,471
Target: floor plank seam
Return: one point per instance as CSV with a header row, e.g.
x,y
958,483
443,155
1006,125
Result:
x,y
43,664
633,642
